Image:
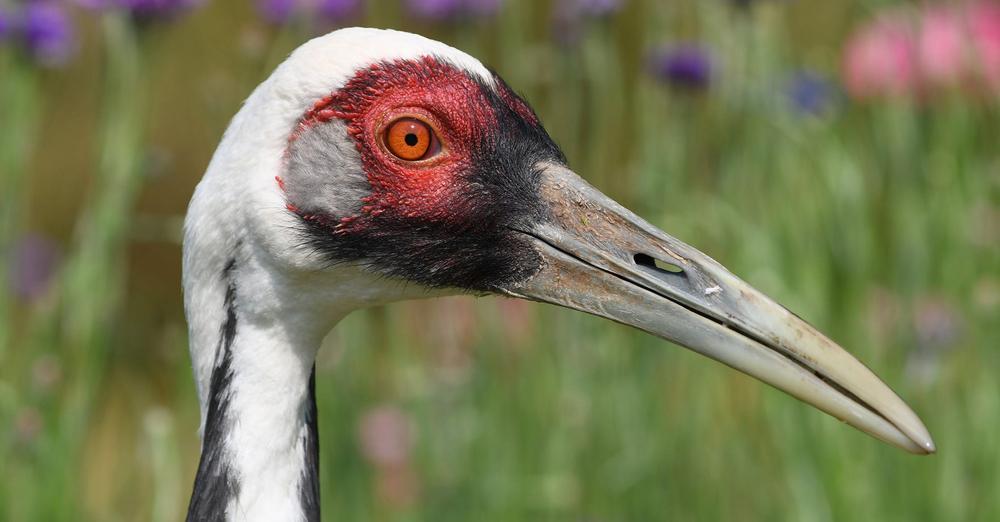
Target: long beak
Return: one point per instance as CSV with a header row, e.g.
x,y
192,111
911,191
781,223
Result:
x,y
602,259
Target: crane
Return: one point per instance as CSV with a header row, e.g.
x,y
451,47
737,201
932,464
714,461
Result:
x,y
374,166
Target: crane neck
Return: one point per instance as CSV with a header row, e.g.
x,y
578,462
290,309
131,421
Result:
x,y
255,323
260,450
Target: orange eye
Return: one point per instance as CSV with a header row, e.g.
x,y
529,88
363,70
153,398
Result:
x,y
410,139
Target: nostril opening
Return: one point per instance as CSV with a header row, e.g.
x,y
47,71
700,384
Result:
x,y
649,261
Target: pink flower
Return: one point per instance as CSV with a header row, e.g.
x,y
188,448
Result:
x,y
984,29
960,45
921,53
386,437
942,46
881,58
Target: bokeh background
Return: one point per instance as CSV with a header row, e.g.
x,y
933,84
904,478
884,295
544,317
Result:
x,y
844,157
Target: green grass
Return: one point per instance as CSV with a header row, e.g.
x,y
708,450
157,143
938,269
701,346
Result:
x,y
870,222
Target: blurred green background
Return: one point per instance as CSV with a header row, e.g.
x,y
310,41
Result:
x,y
877,220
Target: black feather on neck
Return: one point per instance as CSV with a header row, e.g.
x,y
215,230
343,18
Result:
x,y
215,484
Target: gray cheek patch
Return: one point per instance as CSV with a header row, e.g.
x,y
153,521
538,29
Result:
x,y
324,173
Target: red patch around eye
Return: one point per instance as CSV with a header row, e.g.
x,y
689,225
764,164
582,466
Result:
x,y
451,102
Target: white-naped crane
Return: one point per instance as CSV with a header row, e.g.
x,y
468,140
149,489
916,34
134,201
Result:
x,y
374,166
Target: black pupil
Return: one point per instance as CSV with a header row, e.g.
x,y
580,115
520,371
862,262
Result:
x,y
411,139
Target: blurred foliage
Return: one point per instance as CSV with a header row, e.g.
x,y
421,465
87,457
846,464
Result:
x,y
878,221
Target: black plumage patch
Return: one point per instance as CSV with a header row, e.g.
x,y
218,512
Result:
x,y
215,484
496,189
309,489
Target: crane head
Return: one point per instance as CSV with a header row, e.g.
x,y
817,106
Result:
x,y
410,161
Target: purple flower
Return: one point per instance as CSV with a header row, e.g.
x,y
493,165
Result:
x,y
451,9
33,262
686,66
276,11
938,329
810,93
150,9
597,8
144,10
580,9
936,323
748,5
434,9
570,17
47,32
331,11
4,24
338,10
482,8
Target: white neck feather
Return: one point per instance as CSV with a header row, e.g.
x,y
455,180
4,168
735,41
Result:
x,y
266,417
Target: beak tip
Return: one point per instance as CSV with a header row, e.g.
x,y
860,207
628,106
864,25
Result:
x,y
922,437
921,445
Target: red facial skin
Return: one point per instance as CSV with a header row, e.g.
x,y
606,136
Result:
x,y
444,97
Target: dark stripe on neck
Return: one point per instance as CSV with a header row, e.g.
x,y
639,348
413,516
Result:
x,y
309,490
215,483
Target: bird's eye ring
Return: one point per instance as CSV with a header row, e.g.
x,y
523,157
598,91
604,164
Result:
x,y
411,139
